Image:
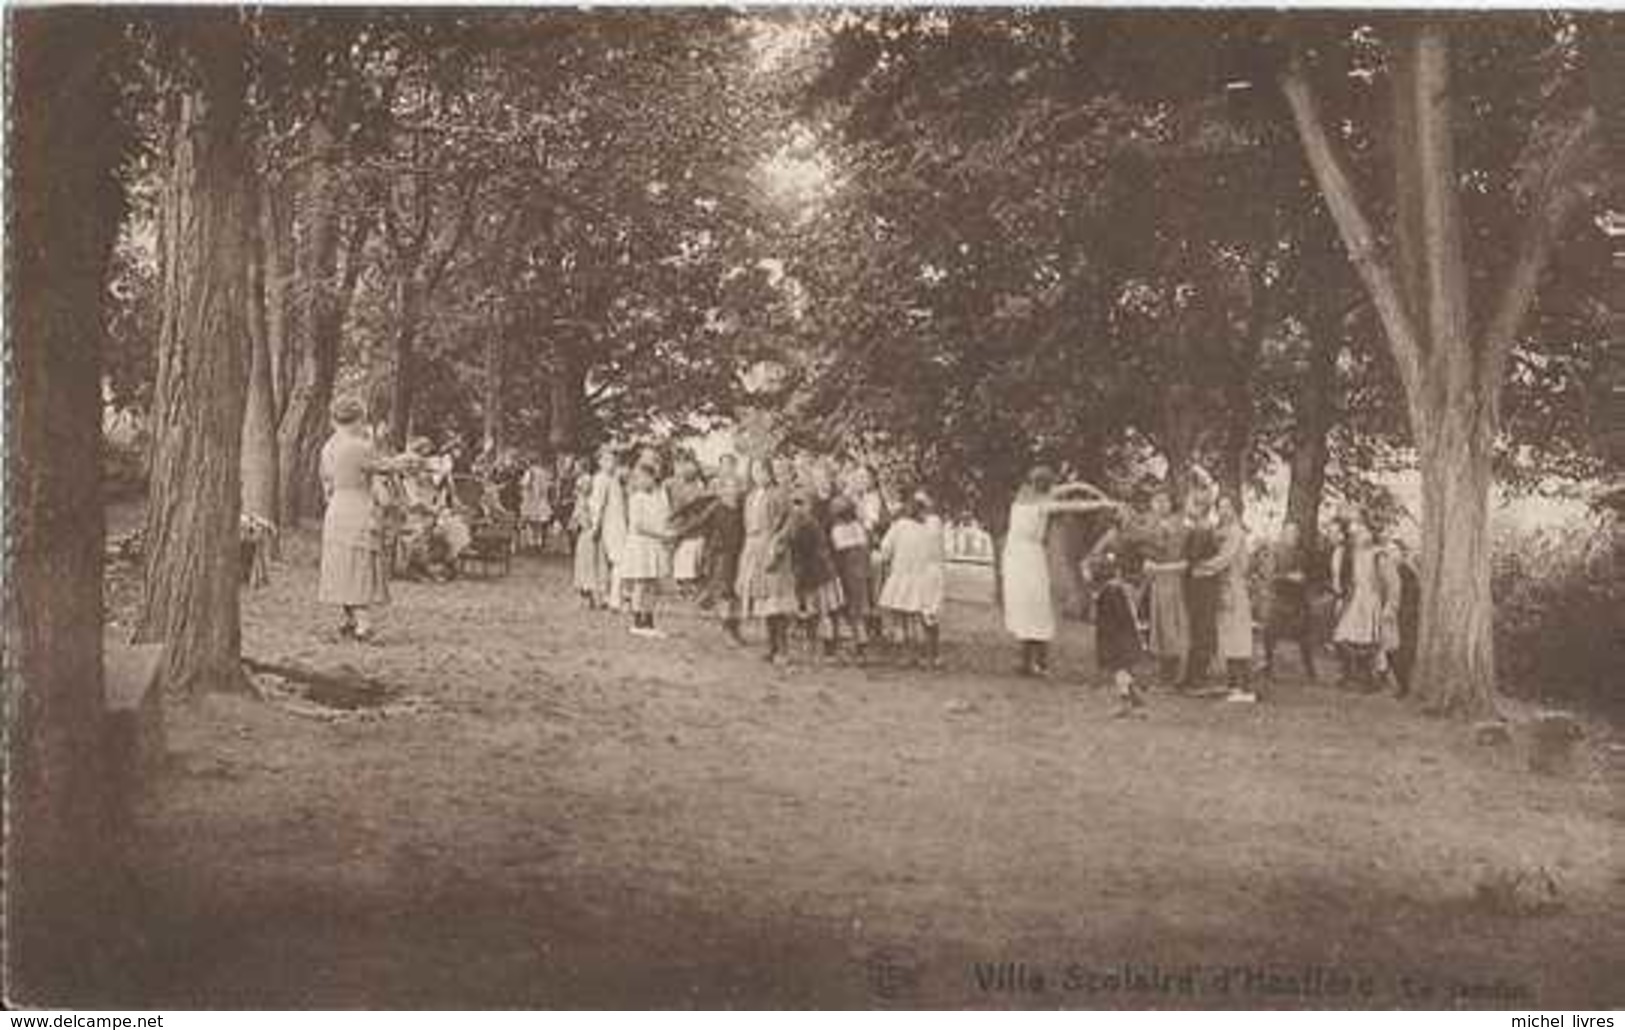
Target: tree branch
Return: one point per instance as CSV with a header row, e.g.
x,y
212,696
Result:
x,y
465,221
392,225
1337,187
1564,188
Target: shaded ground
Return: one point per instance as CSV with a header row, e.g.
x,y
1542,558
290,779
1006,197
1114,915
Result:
x,y
575,817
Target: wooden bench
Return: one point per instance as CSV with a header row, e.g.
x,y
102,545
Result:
x,y
494,532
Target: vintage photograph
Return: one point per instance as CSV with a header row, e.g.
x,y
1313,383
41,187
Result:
x,y
814,508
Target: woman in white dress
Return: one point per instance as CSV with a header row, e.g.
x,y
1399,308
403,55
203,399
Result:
x,y
1029,609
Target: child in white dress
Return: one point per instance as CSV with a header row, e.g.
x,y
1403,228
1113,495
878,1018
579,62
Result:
x,y
914,553
646,556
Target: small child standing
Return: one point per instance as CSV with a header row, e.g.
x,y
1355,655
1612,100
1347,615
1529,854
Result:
x,y
818,585
852,560
915,554
1117,636
644,558
536,505
684,486
724,539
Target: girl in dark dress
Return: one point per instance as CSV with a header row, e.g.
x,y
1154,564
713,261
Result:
x,y
852,563
1117,635
818,588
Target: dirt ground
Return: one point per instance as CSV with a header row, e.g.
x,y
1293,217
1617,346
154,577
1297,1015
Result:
x,y
560,814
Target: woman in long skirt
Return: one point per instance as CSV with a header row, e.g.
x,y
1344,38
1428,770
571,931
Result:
x,y
354,567
1029,609
1235,610
1203,587
1165,566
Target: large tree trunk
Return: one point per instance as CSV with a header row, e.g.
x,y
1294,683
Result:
x,y
65,208
1455,660
195,493
1453,420
1452,378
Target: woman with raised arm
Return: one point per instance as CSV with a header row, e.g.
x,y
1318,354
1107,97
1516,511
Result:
x,y
354,567
1029,610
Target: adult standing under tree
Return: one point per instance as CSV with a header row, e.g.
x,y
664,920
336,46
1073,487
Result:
x,y
355,566
1202,589
1029,607
1235,609
1166,566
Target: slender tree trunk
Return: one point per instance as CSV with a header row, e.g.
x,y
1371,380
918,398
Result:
x,y
408,316
495,361
195,494
259,460
65,207
315,322
1236,442
1313,412
1180,427
567,395
276,276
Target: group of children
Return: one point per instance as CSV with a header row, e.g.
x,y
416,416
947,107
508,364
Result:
x,y
795,543
813,550
1194,599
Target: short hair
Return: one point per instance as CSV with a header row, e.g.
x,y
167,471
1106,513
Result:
x,y
347,411
1042,477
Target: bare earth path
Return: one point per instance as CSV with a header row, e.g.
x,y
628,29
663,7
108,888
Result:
x,y
574,817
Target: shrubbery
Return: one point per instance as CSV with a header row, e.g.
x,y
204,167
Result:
x,y
124,466
1560,613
